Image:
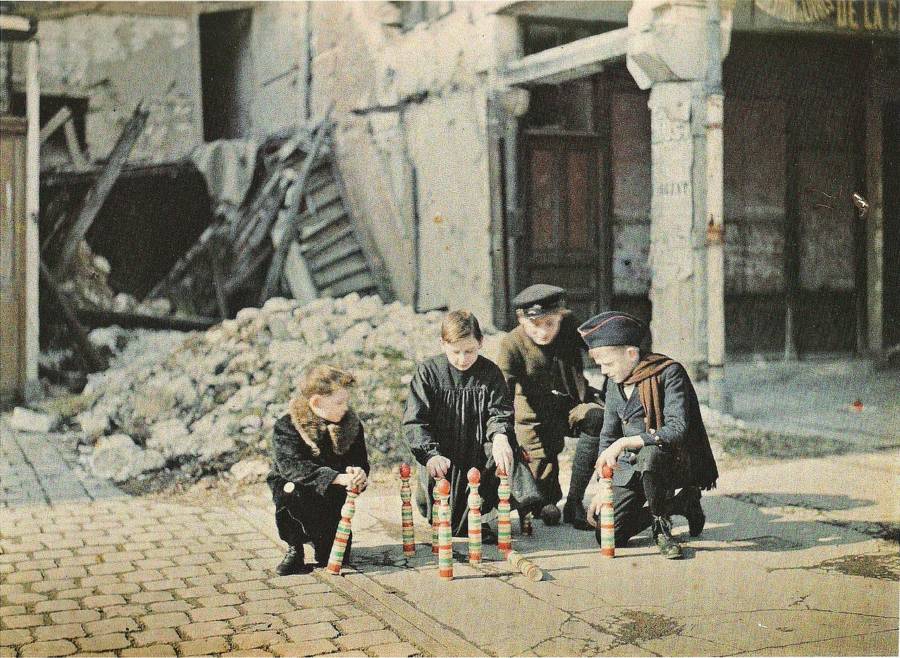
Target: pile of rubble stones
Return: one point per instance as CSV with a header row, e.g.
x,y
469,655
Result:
x,y
172,400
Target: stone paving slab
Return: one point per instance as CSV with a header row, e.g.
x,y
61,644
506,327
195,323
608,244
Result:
x,y
89,570
95,573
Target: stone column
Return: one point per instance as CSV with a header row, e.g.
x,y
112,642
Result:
x,y
667,53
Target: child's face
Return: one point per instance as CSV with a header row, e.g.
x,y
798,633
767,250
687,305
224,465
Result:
x,y
462,353
542,330
616,362
331,407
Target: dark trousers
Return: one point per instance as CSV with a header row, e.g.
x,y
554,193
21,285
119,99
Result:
x,y
546,476
586,451
631,517
305,517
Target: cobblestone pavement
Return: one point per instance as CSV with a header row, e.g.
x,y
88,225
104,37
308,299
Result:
x,y
87,570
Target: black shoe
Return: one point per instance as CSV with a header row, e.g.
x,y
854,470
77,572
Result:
x,y
323,553
687,504
662,534
488,536
574,513
293,562
550,514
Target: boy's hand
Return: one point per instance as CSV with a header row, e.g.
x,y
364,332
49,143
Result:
x,y
358,478
502,453
342,480
589,415
608,457
593,510
438,466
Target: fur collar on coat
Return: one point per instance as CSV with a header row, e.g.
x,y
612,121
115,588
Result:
x,y
315,431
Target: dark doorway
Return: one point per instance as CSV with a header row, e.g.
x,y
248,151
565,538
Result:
x,y
891,179
226,73
564,241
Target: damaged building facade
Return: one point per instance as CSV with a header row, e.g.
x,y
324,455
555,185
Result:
x,y
510,143
613,148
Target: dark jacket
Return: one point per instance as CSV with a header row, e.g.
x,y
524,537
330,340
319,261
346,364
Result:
x,y
547,381
682,436
310,452
456,414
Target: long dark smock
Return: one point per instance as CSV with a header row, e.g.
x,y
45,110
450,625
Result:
x,y
456,414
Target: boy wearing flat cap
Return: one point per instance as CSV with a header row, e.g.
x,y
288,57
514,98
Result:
x,y
653,435
542,362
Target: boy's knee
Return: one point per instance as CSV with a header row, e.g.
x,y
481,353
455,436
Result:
x,y
654,459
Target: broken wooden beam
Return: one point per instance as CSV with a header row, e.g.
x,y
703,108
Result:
x,y
55,123
93,201
102,318
180,268
88,353
273,276
567,62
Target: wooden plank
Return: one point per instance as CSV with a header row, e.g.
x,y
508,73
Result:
x,y
96,196
73,146
312,249
335,254
324,196
101,318
362,283
80,342
273,276
218,279
314,222
180,268
339,271
576,59
55,123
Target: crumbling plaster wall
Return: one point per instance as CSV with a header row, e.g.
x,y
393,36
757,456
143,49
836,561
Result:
x,y
414,100
116,61
279,58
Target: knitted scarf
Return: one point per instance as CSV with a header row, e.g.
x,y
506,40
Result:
x,y
646,377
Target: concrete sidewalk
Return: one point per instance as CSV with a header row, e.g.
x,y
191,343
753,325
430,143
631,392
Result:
x,y
790,563
782,568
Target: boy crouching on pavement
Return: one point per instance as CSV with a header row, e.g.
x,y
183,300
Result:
x,y
653,436
318,451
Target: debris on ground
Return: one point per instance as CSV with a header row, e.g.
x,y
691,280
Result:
x,y
26,420
201,403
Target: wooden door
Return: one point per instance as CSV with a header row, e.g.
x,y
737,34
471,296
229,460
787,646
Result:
x,y
565,233
12,257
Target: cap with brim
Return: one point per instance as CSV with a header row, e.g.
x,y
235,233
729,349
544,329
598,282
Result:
x,y
539,299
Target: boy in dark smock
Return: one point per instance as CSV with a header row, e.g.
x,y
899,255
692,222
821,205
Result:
x,y
459,415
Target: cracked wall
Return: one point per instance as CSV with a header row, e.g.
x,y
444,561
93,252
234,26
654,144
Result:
x,y
114,62
414,100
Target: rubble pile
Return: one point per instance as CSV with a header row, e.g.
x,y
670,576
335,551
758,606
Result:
x,y
87,286
202,402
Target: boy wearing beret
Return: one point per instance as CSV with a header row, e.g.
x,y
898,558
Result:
x,y
653,435
542,362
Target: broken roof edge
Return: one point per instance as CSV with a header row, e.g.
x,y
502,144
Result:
x,y
57,10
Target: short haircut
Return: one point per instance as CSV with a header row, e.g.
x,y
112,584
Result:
x,y
325,380
459,325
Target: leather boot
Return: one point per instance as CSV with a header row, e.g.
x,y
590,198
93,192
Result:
x,y
574,513
662,534
293,562
488,536
687,504
550,514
